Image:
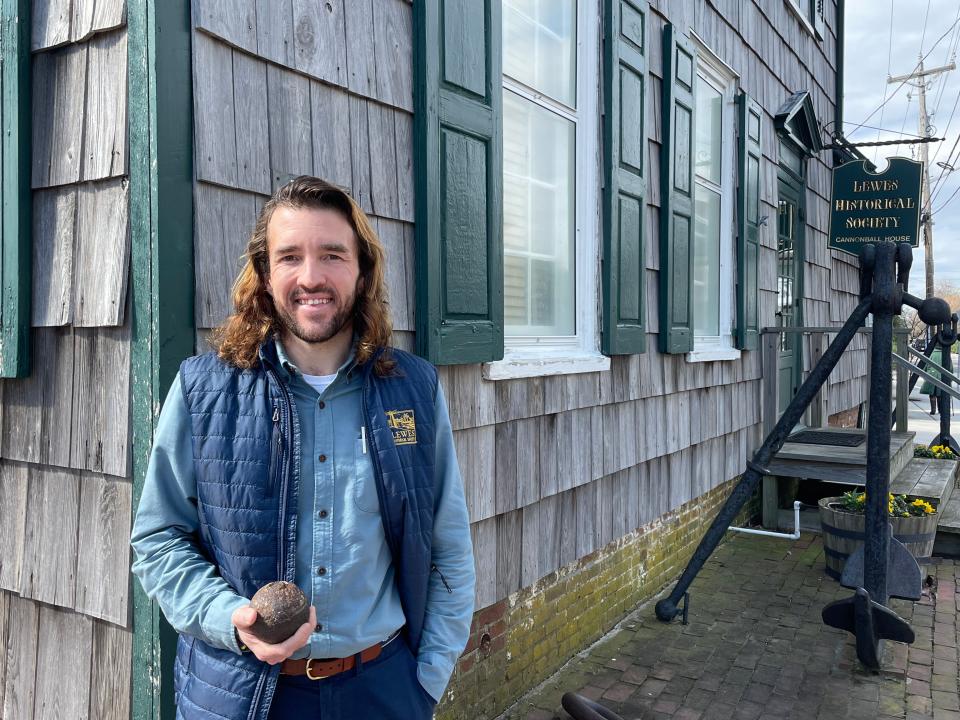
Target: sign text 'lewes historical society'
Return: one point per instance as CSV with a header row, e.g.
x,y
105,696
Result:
x,y
873,208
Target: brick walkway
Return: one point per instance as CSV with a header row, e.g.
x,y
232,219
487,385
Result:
x,y
757,648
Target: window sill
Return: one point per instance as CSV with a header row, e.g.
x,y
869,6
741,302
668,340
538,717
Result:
x,y
804,21
713,354
525,364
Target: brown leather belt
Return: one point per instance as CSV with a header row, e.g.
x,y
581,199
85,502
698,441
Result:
x,y
319,669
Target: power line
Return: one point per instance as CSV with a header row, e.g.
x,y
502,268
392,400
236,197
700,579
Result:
x,y
923,35
904,82
946,164
951,53
882,129
886,86
934,212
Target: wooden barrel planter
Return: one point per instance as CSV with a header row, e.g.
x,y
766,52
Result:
x,y
843,534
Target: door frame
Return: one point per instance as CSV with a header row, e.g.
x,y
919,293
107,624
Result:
x,y
794,181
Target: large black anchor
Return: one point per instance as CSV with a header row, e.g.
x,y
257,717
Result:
x,y
884,270
882,568
946,336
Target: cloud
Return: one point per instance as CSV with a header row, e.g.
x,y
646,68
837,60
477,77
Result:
x,y
885,37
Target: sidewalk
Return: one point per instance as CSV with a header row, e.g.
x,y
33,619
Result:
x,y
919,419
757,648
925,425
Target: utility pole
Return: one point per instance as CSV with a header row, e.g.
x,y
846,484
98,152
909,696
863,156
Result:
x,y
926,216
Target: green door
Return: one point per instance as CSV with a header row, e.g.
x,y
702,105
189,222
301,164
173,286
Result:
x,y
790,224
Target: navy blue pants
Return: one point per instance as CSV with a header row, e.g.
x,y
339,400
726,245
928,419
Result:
x,y
383,689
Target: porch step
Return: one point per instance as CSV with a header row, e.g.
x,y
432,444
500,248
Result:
x,y
936,479
846,465
948,529
927,478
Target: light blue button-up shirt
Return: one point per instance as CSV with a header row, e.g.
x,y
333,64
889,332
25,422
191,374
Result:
x,y
343,562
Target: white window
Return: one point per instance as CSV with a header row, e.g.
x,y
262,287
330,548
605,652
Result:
x,y
550,188
714,259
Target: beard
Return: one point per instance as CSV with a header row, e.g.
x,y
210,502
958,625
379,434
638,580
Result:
x,y
319,332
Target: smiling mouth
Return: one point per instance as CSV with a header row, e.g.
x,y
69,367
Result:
x,y
313,301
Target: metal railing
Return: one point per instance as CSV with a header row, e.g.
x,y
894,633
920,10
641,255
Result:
x,y
817,414
915,369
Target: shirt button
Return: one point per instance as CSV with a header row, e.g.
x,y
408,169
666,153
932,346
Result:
x,y
321,571
322,404
322,514
323,458
319,627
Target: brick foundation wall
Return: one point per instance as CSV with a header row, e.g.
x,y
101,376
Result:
x,y
518,642
845,419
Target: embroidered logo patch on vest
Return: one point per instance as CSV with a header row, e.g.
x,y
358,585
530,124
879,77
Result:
x,y
403,425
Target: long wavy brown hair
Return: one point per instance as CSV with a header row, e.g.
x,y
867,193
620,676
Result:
x,y
255,318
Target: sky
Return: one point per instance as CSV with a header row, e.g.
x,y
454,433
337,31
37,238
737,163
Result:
x,y
885,38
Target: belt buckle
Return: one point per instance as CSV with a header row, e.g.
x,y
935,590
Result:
x,y
310,676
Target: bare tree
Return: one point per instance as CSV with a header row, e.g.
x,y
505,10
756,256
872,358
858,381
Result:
x,y
946,290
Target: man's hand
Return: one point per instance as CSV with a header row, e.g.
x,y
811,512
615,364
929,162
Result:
x,y
243,619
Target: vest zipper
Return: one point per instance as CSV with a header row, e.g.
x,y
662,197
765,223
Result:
x,y
285,475
281,525
277,451
433,566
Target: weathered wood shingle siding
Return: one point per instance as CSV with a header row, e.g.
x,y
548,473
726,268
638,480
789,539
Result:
x,y
65,489
553,467
274,99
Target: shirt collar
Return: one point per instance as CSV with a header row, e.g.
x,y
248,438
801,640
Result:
x,y
288,370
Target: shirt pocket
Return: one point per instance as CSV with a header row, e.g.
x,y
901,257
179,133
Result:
x,y
364,484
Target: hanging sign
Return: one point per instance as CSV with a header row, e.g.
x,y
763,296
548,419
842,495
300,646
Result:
x,y
871,207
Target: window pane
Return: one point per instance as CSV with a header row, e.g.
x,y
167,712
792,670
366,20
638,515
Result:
x,y
709,112
540,45
706,264
538,219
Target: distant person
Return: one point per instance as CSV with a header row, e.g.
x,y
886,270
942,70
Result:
x,y
927,388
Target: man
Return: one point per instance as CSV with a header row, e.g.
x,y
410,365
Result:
x,y
307,450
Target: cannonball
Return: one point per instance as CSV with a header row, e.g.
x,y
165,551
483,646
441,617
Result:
x,y
281,609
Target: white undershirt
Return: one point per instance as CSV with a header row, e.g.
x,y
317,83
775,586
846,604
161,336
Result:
x,y
319,382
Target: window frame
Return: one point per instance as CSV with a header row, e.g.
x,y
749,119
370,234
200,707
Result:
x,y
719,75
806,17
532,356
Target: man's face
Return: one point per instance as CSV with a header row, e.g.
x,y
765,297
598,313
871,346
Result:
x,y
314,272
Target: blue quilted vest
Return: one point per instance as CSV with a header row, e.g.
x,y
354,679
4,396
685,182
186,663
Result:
x,y
246,449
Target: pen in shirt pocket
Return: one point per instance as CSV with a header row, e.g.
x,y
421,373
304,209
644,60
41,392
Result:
x,y
363,438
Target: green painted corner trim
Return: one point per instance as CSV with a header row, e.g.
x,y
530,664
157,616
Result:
x,y
161,235
15,176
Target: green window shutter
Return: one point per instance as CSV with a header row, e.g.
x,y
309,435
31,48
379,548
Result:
x,y
676,193
625,176
458,172
16,226
750,124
